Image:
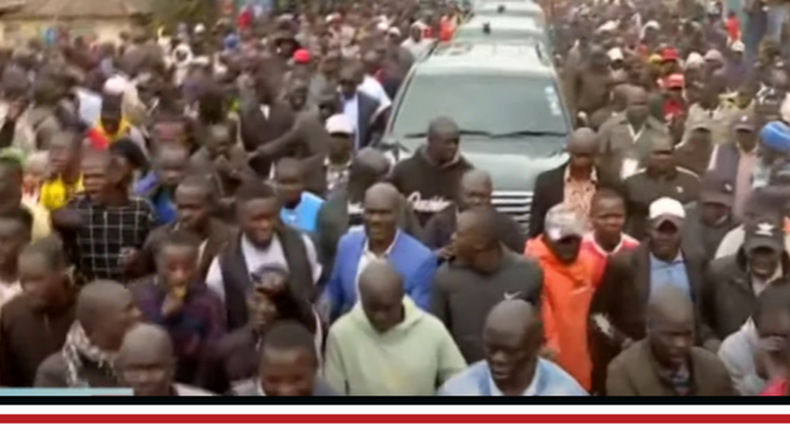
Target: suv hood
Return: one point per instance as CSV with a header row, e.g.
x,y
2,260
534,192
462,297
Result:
x,y
513,172
512,168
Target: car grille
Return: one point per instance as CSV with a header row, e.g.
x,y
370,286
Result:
x,y
517,204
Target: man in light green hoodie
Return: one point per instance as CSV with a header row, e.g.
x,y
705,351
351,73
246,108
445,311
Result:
x,y
386,345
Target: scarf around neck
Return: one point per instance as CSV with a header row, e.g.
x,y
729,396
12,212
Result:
x,y
78,349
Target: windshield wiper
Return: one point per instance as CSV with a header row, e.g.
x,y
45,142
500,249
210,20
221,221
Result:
x,y
520,133
460,132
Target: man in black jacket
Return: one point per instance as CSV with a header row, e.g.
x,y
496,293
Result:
x,y
343,209
35,324
263,240
661,178
476,191
361,108
732,283
710,218
574,183
263,120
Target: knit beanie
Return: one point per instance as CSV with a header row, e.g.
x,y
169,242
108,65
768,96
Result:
x,y
776,135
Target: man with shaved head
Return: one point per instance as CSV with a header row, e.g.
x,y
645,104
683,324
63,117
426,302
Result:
x,y
513,336
381,239
476,191
573,183
146,363
431,177
105,312
343,208
390,328
666,362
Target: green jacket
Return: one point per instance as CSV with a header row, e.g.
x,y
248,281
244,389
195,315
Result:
x,y
412,359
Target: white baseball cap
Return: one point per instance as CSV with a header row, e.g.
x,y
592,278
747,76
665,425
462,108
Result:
x,y
339,124
666,209
115,86
616,54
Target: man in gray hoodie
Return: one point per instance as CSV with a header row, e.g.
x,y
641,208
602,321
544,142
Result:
x,y
752,355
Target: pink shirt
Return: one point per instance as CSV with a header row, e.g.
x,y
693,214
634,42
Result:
x,y
600,255
775,388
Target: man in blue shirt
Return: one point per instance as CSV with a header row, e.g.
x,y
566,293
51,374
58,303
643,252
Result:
x,y
513,337
300,208
667,266
158,187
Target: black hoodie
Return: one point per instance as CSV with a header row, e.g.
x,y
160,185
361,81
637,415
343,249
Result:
x,y
428,187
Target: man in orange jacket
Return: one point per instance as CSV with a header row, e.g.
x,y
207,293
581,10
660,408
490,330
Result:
x,y
567,289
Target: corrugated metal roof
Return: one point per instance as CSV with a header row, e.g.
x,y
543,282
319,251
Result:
x,y
55,9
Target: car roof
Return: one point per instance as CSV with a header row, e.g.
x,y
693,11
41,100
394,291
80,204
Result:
x,y
521,6
505,22
493,58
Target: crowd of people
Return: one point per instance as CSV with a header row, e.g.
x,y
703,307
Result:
x,y
207,213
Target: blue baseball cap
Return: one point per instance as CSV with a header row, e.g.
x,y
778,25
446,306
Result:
x,y
776,135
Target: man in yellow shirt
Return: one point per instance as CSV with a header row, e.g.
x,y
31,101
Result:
x,y
65,154
11,174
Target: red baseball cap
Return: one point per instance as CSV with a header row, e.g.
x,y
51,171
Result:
x,y
301,56
669,54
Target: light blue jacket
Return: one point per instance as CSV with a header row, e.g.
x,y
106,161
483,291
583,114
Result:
x,y
549,380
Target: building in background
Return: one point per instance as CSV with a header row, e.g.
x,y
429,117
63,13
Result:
x,y
21,20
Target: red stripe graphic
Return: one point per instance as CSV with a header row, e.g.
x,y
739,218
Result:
x,y
393,419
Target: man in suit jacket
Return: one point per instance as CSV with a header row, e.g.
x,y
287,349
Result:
x,y
264,119
574,183
626,138
361,108
617,311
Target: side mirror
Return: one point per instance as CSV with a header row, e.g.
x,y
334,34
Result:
x,y
390,144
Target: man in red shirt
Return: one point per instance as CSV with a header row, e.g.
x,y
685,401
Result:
x,y
733,27
607,216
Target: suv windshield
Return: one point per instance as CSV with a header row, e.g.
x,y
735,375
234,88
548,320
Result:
x,y
493,105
